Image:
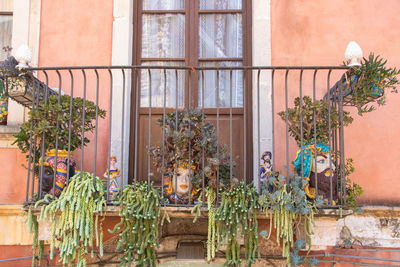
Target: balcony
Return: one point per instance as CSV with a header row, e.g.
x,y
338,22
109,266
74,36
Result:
x,y
119,127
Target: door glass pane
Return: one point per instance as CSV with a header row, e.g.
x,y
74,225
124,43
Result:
x,y
5,36
221,95
220,35
220,4
174,87
163,36
163,4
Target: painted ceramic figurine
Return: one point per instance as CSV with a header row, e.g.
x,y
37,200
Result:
x,y
266,169
318,162
112,176
61,169
177,190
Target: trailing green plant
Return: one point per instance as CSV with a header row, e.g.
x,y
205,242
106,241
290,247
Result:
x,y
80,206
372,80
288,206
353,190
237,216
324,115
44,121
140,213
37,245
298,260
211,233
188,137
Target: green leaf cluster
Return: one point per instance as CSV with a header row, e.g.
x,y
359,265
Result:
x,y
188,136
53,120
374,78
287,206
79,206
353,190
237,216
140,212
301,120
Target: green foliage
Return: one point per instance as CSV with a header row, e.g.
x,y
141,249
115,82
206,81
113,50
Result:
x,y
353,190
309,110
296,259
44,121
37,244
212,234
289,206
374,79
78,205
140,212
191,137
237,215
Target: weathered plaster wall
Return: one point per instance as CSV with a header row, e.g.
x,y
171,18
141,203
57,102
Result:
x,y
317,33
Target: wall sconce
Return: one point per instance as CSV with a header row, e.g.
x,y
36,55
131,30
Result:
x,y
23,56
353,54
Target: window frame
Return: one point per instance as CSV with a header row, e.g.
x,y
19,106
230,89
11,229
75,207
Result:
x,y
191,59
192,12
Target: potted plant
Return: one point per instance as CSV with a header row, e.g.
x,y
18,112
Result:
x,y
190,150
367,84
51,120
315,147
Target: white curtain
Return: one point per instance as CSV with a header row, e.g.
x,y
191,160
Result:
x,y
163,4
163,36
5,35
220,36
220,4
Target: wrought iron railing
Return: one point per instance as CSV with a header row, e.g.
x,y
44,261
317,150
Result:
x,y
243,103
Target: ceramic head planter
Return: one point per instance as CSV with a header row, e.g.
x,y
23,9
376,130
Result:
x,y
177,186
60,167
112,177
318,169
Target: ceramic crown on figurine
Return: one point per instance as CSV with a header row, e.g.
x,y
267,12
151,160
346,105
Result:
x,y
23,56
353,54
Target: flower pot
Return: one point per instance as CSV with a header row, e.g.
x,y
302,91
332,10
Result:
x,y
177,189
318,168
50,165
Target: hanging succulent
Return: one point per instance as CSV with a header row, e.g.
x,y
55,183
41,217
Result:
x,y
367,83
237,215
140,212
78,205
289,207
37,244
211,237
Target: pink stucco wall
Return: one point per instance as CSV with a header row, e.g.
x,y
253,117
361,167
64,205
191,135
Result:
x,y
13,176
79,33
317,33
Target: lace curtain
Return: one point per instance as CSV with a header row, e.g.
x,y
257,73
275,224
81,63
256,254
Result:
x,y
5,35
163,36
